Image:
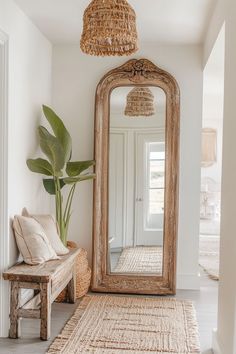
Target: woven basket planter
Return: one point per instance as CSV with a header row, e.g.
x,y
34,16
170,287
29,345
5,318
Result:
x,y
83,275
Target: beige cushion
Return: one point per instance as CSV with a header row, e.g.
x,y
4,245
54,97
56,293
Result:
x,y
32,241
50,227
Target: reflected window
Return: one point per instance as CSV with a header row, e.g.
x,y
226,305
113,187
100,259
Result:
x,y
155,184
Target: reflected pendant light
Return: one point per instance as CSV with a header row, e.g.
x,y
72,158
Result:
x,y
109,28
140,102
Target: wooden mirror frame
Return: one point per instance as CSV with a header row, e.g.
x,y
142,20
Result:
x,y
143,73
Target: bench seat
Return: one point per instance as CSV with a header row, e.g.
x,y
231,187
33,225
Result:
x,y
47,280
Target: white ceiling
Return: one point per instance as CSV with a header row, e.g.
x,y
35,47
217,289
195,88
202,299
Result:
x,y
159,21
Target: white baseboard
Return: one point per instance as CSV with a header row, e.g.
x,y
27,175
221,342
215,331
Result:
x,y
188,281
215,344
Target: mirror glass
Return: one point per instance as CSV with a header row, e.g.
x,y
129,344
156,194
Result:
x,y
136,180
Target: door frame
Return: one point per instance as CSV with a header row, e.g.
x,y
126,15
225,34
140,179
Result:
x,y
4,223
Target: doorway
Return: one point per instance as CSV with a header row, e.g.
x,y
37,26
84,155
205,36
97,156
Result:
x,y
211,162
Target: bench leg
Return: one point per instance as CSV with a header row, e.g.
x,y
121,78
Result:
x,y
71,287
14,306
45,310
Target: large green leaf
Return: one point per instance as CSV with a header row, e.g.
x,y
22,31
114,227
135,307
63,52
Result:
x,y
71,180
60,131
49,185
52,148
75,168
40,166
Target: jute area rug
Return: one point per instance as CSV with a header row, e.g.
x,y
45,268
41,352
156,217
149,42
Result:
x,y
209,255
140,259
121,324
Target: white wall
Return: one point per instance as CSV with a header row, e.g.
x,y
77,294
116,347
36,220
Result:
x,y
215,25
227,288
75,77
29,87
224,340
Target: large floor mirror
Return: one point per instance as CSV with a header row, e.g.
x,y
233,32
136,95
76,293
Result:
x,y
136,188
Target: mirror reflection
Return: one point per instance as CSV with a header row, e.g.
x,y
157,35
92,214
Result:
x,y
136,180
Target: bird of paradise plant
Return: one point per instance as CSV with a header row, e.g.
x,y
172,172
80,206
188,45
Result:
x,y
57,147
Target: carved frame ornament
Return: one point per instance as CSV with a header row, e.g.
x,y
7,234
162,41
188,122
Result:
x,y
142,73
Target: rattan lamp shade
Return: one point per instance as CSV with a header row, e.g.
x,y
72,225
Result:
x,y
209,147
140,102
109,28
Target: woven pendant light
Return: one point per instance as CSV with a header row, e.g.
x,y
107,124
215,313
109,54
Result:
x,y
140,102
109,28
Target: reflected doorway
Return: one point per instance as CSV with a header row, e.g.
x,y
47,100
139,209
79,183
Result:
x,y
150,189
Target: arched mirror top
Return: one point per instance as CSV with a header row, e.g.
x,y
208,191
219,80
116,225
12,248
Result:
x,y
138,72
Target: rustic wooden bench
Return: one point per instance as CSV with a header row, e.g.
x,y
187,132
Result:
x,y
47,280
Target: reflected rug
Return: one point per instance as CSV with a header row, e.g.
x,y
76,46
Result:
x,y
117,324
140,259
209,255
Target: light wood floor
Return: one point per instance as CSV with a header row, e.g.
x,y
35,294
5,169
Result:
x,y
205,302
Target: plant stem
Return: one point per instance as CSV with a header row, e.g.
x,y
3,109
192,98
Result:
x,y
59,209
56,200
67,202
67,212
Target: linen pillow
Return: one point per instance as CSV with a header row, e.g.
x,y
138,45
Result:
x,y
32,241
50,227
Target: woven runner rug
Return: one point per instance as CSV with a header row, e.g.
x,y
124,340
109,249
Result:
x,y
117,324
209,255
140,260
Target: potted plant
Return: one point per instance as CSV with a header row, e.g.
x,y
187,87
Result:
x,y
59,168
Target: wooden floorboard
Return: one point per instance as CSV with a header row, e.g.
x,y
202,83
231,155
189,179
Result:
x,y
205,302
